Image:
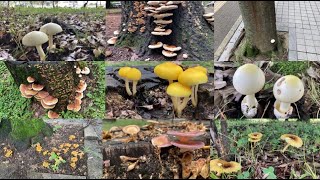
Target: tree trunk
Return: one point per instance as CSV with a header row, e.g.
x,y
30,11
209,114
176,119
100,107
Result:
x,y
59,78
108,4
190,30
259,20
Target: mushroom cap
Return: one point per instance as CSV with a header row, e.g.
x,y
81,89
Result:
x,y
177,89
167,8
159,29
248,79
42,94
79,95
192,77
190,134
221,166
161,21
167,32
155,46
168,53
168,70
47,106
51,28
53,115
254,139
255,135
85,71
200,68
37,87
288,89
35,38
30,92
50,100
24,87
171,48
293,140
190,145
82,86
129,73
131,129
30,79
161,141
160,16
112,41
208,15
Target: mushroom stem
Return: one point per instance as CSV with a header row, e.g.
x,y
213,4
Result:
x,y
50,41
251,99
41,53
193,97
182,105
284,107
127,87
134,87
174,102
285,148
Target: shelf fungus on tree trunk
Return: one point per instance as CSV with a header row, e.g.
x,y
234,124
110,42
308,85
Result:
x,y
169,22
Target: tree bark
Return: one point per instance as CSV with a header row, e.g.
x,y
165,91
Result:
x,y
259,20
108,4
59,78
190,30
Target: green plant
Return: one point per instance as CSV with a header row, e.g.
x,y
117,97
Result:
x,y
57,161
269,173
243,175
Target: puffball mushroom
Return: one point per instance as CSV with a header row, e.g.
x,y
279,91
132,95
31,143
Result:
x,y
130,74
51,29
193,77
177,91
36,38
288,89
248,80
168,70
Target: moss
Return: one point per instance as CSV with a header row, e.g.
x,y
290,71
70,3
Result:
x,y
293,68
130,40
250,51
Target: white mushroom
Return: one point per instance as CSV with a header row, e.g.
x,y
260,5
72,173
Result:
x,y
171,47
166,33
112,41
155,46
51,29
85,71
36,38
168,53
167,8
160,16
116,33
161,21
208,15
248,80
288,89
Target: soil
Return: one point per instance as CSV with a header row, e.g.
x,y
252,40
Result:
x,y
157,164
73,44
31,160
151,101
228,101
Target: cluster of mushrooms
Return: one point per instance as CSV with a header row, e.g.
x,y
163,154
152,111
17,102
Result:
x,y
75,105
209,17
37,38
36,90
180,92
159,11
250,79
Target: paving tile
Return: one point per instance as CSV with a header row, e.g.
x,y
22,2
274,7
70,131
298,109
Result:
x,y
309,42
316,37
317,50
310,49
301,41
293,56
302,56
301,48
308,36
312,57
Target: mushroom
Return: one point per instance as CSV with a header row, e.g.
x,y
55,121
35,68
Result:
x,y
130,74
254,137
167,8
185,56
51,29
161,141
85,71
131,129
155,46
36,38
116,33
168,53
41,95
82,86
161,21
53,115
193,77
160,16
171,48
37,87
112,41
208,15
292,140
165,33
186,140
288,89
177,91
23,88
168,70
248,80
30,79
173,2
220,166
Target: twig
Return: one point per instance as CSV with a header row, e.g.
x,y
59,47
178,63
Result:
x,y
265,109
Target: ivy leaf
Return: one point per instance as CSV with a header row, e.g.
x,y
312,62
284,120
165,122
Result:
x,y
269,172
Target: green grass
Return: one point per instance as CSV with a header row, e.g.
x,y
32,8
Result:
x,y
122,122
293,68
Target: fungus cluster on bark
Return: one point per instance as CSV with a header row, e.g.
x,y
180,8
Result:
x,y
159,11
36,90
37,38
209,17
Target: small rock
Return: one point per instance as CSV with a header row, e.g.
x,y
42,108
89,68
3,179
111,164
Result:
x,y
185,56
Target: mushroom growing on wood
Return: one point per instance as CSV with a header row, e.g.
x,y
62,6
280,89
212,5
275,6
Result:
x,y
30,79
288,89
36,38
169,53
248,80
53,115
171,48
168,70
161,141
165,33
186,140
177,91
155,46
51,29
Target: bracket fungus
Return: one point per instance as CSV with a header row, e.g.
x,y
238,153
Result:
x,y
186,141
193,77
130,74
53,115
156,45
224,167
161,141
51,29
288,89
177,91
248,80
36,38
168,70
292,140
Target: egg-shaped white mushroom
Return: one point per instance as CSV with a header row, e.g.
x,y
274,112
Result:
x,y
248,80
288,89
